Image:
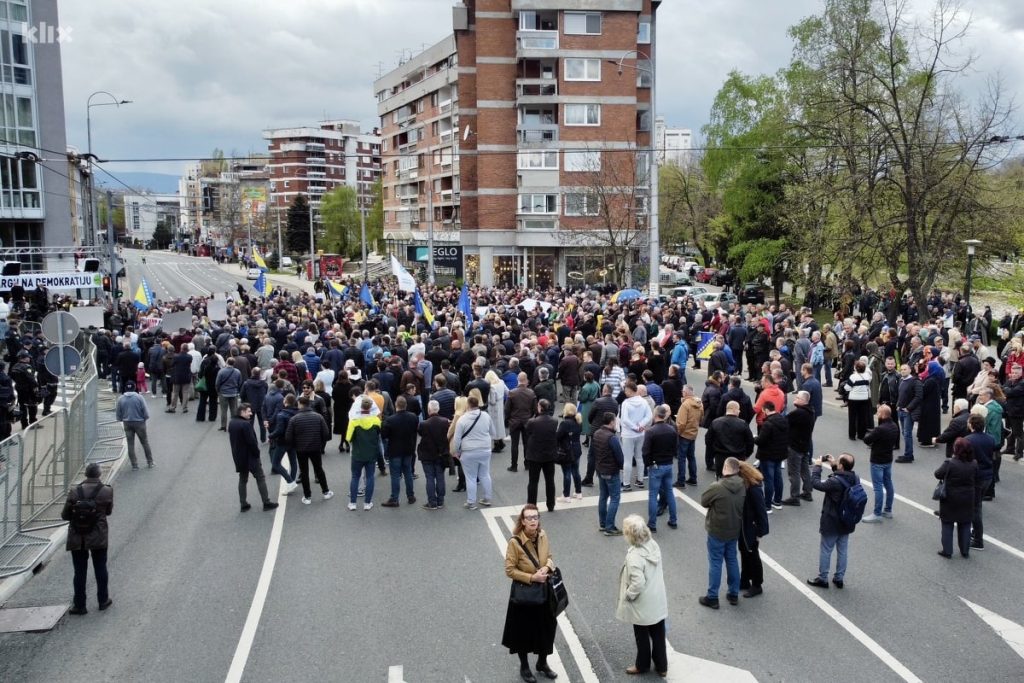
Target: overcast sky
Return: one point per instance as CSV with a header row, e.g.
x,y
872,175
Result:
x,y
215,73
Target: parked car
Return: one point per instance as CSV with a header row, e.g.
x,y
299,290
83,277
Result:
x,y
751,293
683,292
723,278
705,274
253,273
717,299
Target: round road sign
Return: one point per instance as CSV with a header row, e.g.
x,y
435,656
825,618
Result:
x,y
72,360
60,327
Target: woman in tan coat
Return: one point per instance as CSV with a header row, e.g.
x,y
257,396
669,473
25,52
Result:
x,y
529,628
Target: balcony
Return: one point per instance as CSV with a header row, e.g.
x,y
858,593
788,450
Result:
x,y
315,174
536,40
536,87
316,161
315,147
317,189
537,134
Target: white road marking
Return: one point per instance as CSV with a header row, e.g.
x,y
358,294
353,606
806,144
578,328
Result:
x,y
1011,632
395,674
683,667
252,621
802,588
924,508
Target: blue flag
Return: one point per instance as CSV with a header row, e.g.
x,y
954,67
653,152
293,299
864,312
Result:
x,y
337,290
144,298
705,346
366,297
262,285
465,305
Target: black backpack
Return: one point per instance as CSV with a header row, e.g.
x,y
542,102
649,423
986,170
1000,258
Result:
x,y
6,390
85,513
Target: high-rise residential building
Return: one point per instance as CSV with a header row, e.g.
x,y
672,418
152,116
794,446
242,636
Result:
x,y
550,140
672,145
312,161
33,202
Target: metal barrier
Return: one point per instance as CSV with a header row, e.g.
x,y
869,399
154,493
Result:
x,y
38,465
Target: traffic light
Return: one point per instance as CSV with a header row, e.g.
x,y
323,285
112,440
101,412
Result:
x,y
106,283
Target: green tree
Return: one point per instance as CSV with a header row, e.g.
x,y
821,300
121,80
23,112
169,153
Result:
x,y
375,218
339,214
297,236
162,235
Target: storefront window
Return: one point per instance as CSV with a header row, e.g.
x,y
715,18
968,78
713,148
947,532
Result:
x,y
588,267
508,270
542,270
472,269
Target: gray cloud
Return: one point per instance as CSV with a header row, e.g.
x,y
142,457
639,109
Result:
x,y
206,74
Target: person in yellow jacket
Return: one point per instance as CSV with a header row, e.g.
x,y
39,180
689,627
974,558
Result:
x,y
364,435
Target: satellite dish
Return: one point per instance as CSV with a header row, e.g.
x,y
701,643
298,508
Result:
x,y
466,133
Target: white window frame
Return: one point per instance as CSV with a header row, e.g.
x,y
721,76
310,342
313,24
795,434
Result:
x,y
589,204
587,161
643,33
587,109
530,205
540,160
570,31
587,72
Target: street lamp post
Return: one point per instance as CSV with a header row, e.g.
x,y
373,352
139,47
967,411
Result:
x,y
654,236
89,155
971,245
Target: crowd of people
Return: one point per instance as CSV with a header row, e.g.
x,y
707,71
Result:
x,y
597,387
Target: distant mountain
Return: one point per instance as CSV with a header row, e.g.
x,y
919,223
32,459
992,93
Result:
x,y
160,183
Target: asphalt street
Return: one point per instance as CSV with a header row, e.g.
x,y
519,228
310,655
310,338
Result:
x,y
406,594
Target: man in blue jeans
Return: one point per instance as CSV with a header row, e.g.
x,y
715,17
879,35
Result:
x,y
607,450
772,450
399,433
688,419
882,440
834,534
659,451
909,404
723,523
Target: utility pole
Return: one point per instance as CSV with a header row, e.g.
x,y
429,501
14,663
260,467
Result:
x,y
430,227
112,247
362,229
280,247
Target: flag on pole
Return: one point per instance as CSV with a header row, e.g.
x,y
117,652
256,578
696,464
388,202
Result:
x,y
705,347
465,305
366,297
262,285
422,309
406,282
144,298
337,290
257,259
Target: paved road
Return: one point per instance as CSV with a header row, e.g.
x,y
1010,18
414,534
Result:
x,y
354,595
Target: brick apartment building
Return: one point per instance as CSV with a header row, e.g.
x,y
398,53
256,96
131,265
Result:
x,y
524,138
312,161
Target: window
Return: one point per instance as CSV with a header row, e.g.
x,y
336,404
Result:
x,y
581,204
643,120
576,162
643,34
583,23
538,203
538,160
644,73
582,69
583,114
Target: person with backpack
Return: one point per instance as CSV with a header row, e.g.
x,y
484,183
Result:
x,y
86,510
845,500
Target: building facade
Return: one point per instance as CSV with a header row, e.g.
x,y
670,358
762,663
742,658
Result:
x,y
548,166
672,145
222,202
33,201
144,212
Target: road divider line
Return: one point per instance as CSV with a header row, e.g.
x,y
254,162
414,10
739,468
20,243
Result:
x,y
1019,554
863,638
259,599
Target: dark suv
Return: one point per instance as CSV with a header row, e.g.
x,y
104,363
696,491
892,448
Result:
x,y
723,278
751,293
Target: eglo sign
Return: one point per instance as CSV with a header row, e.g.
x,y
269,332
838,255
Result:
x,y
447,260
51,281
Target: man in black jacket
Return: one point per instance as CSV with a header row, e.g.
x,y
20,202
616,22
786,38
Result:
x,y
966,369
909,404
883,440
85,538
736,393
798,463
772,450
956,428
605,404
728,436
659,453
541,447
432,449
399,433
834,534
608,460
245,451
308,433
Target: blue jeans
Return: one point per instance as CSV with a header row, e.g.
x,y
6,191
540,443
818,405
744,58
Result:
x,y
571,477
841,543
907,429
717,551
881,478
817,372
433,473
828,372
659,483
401,466
686,454
608,499
773,487
277,454
358,469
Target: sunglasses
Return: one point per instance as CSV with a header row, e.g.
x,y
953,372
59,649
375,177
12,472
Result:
x,y
531,518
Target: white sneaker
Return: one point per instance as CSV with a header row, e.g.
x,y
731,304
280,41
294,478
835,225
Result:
x,y
565,499
351,506
578,496
288,488
871,519
329,495
307,501
368,506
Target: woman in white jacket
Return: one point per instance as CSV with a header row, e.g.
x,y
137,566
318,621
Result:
x,y
496,409
642,599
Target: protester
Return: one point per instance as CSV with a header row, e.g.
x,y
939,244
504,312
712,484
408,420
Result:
x,y
86,509
755,527
642,600
959,474
133,413
835,533
723,523
245,451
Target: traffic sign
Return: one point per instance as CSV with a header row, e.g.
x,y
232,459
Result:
x,y
60,327
72,359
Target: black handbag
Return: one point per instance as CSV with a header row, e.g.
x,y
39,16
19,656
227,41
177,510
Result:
x,y
940,490
532,593
558,597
